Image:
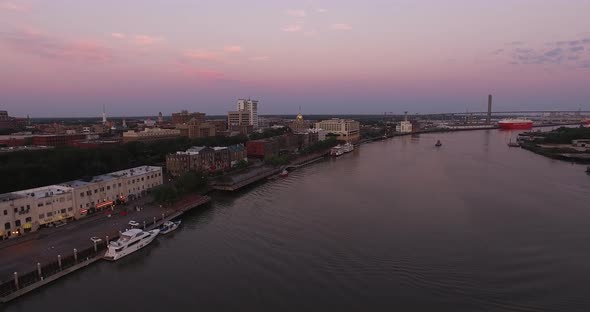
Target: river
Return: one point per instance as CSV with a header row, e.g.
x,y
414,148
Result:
x,y
396,225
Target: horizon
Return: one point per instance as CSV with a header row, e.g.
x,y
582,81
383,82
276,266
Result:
x,y
330,58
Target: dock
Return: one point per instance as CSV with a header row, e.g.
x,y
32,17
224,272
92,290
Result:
x,y
23,283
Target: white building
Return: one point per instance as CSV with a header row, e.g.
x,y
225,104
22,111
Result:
x,y
24,211
346,129
404,127
250,106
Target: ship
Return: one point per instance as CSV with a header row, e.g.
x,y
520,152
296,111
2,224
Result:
x,y
515,123
348,147
129,242
336,151
586,123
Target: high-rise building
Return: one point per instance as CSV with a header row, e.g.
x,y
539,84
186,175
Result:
x,y
251,107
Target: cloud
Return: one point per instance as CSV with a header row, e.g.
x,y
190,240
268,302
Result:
x,y
320,11
310,33
554,52
497,52
577,49
14,7
297,13
118,35
514,43
341,27
35,43
259,58
232,49
203,56
585,41
292,28
145,40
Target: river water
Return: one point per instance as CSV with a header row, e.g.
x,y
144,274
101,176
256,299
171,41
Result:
x,y
395,225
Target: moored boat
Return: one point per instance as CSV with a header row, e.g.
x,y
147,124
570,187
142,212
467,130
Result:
x,y
438,144
336,151
169,226
129,242
284,173
347,148
516,123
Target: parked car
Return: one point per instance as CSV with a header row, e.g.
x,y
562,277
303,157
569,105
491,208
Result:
x,y
95,239
133,223
60,223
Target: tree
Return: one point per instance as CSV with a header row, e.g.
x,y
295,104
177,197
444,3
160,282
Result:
x,y
165,194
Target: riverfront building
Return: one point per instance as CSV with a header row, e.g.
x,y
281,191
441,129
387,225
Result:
x,y
27,210
345,129
404,127
205,159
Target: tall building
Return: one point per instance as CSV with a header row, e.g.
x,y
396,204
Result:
x,y
299,125
184,117
346,129
251,108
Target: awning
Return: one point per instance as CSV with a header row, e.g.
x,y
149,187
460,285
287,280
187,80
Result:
x,y
27,225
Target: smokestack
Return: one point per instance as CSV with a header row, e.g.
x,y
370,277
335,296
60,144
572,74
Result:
x,y
489,117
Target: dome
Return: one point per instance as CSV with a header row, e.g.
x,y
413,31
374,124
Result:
x,y
299,117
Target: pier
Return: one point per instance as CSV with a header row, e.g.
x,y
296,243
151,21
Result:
x,y
45,272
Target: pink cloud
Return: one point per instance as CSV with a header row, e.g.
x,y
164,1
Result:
x,y
259,58
292,28
203,56
118,35
15,7
341,27
145,40
36,43
232,49
297,13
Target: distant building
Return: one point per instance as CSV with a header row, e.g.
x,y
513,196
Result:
x,y
204,159
150,135
345,129
262,148
184,117
299,125
197,129
404,127
246,114
25,211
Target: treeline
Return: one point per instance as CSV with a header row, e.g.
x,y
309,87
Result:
x,y
29,169
565,135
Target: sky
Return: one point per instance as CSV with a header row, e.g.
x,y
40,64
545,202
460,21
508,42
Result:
x,y
68,58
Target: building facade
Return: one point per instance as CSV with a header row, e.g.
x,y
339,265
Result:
x,y
345,129
404,127
246,114
205,159
184,117
150,134
27,210
299,125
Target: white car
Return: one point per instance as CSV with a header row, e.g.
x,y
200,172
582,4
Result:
x,y
133,223
95,239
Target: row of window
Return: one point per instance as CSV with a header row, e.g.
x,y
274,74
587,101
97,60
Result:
x,y
50,213
88,193
17,223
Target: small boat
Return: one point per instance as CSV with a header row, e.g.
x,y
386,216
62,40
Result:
x,y
169,226
347,148
337,151
129,242
513,144
284,173
438,144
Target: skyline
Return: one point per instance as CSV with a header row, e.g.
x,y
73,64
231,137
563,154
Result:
x,y
61,59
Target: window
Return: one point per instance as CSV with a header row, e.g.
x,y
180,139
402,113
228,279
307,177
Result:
x,y
49,214
88,193
17,223
95,191
81,206
16,209
82,194
102,189
38,205
28,219
61,200
63,210
7,226
86,205
108,187
28,206
5,212
141,179
119,184
41,216
71,208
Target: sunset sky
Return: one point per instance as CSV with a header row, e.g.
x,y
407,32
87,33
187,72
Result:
x,y
140,57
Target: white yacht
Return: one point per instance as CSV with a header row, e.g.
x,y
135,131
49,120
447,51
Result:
x,y
129,242
336,151
348,147
169,226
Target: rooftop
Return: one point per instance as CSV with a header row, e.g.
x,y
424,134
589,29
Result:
x,y
113,175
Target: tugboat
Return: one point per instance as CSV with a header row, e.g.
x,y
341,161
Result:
x,y
169,226
438,144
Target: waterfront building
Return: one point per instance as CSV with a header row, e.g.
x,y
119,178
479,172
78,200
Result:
x,y
204,159
262,148
105,190
150,134
404,127
184,117
345,129
299,125
25,211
